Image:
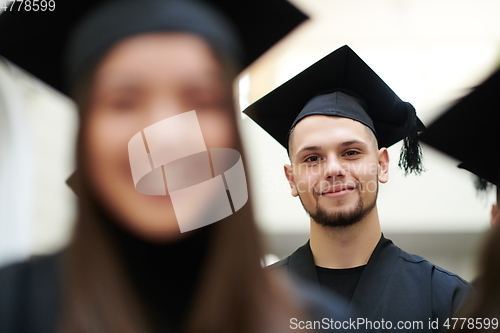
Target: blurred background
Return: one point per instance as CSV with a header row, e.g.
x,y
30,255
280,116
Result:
x,y
429,52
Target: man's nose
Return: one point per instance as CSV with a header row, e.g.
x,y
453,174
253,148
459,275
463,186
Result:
x,y
334,167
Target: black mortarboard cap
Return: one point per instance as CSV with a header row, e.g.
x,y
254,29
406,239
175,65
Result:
x,y
341,84
480,183
469,131
38,41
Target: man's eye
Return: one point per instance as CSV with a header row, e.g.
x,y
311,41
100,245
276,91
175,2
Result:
x,y
312,159
351,153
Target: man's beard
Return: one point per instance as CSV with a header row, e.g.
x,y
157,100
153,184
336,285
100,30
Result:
x,y
342,219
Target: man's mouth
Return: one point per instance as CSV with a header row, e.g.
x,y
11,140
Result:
x,y
337,190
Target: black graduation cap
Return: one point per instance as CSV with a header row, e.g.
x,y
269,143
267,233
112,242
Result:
x,y
469,131
37,41
480,183
341,84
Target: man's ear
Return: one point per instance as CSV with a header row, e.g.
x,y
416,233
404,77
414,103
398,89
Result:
x,y
383,165
289,176
495,216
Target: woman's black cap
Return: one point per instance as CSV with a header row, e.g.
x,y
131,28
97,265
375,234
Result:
x,y
39,42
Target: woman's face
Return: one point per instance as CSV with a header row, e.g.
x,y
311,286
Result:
x,y
143,80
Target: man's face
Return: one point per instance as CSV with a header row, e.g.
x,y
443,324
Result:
x,y
335,170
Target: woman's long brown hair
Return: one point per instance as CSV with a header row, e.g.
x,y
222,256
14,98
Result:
x,y
234,293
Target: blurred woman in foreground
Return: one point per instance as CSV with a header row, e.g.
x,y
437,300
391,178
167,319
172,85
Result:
x,y
128,268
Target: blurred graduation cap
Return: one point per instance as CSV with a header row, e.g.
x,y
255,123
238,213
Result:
x,y
470,131
341,84
38,41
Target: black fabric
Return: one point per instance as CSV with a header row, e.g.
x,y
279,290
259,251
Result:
x,y
165,275
468,131
30,295
394,286
125,18
337,104
343,282
319,305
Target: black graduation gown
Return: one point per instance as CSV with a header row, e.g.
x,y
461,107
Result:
x,y
30,295
394,286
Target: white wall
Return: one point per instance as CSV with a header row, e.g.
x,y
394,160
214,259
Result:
x,y
37,138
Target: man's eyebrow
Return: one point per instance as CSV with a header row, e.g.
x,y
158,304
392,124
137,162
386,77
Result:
x,y
343,144
309,148
352,142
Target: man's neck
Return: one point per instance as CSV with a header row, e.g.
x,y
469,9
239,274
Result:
x,y
346,247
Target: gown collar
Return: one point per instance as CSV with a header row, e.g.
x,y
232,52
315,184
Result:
x,y
373,280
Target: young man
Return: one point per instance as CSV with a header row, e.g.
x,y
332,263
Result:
x,y
337,118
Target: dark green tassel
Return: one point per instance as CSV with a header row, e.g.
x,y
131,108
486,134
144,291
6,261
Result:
x,y
410,158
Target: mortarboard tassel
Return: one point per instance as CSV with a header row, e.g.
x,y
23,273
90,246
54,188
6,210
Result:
x,y
410,158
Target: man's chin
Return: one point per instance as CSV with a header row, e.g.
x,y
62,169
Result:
x,y
344,209
341,217
340,221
